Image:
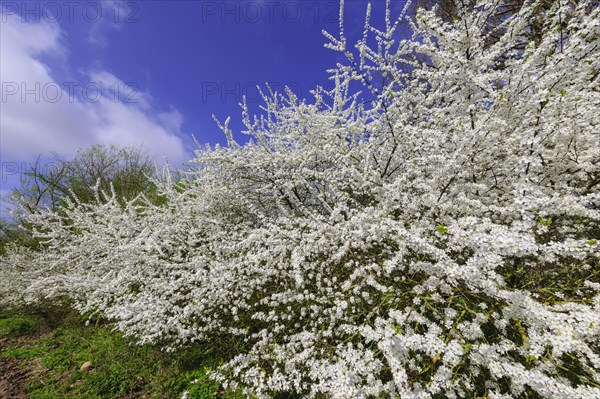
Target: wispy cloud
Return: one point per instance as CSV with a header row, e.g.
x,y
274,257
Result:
x,y
112,15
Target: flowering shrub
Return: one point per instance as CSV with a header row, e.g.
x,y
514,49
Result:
x,y
439,241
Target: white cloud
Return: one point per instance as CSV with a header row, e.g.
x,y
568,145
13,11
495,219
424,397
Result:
x,y
52,117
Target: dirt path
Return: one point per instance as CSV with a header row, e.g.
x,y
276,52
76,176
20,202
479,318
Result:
x,y
12,377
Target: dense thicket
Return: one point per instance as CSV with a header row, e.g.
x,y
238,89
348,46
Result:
x,y
441,241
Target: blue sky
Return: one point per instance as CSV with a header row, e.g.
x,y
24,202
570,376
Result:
x,y
152,72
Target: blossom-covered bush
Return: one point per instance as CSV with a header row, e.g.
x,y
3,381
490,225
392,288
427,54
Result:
x,y
441,240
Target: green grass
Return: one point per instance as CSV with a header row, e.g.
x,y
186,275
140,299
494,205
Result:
x,y
56,346
16,325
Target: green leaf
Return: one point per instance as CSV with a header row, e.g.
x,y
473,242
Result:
x,y
563,92
592,242
545,222
441,229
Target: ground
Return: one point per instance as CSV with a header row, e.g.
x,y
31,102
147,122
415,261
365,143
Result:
x,y
12,377
42,353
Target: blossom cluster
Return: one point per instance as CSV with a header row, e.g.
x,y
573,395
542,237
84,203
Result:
x,y
441,240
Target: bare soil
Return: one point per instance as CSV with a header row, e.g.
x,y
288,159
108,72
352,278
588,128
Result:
x,y
12,377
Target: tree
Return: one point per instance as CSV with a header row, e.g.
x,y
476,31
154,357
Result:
x,y
441,241
99,169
